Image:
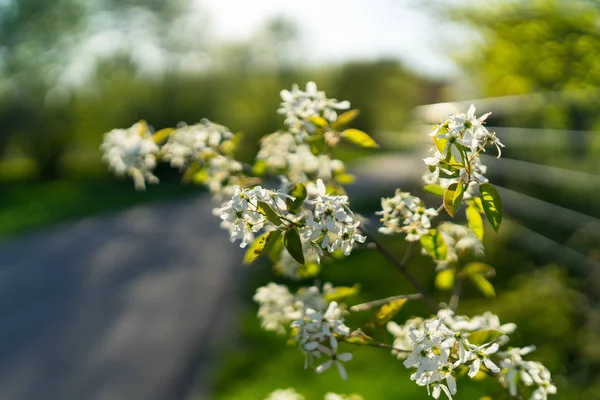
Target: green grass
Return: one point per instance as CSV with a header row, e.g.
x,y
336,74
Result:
x,y
26,206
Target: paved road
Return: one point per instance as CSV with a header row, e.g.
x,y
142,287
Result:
x,y
114,307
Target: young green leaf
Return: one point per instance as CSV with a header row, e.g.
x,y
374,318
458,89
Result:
x,y
260,245
268,212
275,248
435,245
344,179
481,337
360,138
388,311
482,284
293,244
358,337
444,280
341,292
345,118
435,190
260,168
162,135
299,192
492,204
475,221
479,268
318,121
452,197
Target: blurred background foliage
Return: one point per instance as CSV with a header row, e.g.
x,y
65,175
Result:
x,y
71,70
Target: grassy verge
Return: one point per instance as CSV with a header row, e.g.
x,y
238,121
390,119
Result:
x,y
26,206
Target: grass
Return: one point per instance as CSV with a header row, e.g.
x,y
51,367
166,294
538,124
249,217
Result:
x,y
27,206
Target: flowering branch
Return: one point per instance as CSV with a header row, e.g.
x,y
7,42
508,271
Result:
x,y
307,217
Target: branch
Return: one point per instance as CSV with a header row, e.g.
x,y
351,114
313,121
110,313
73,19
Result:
x,y
381,346
455,297
401,267
376,303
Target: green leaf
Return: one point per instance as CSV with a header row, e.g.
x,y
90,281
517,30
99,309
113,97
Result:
x,y
275,248
260,168
268,212
293,244
310,270
492,204
452,197
344,179
162,135
260,245
190,172
360,138
444,280
345,118
479,338
435,190
300,193
358,337
435,245
479,268
388,311
317,144
475,221
482,284
341,292
476,202
318,121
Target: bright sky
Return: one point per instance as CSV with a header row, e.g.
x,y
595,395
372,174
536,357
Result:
x,y
339,30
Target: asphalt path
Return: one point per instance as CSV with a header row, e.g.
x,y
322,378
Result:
x,y
116,306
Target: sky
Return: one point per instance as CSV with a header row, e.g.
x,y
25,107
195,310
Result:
x,y
333,31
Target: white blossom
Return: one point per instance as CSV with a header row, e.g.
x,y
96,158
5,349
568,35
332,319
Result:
x,y
199,142
528,373
317,336
468,131
131,152
284,153
331,224
405,214
297,106
285,394
278,307
480,354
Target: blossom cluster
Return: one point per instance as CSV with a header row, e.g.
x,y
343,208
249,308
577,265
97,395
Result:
x,y
460,241
278,307
291,394
439,347
201,144
406,214
285,153
459,140
331,225
131,152
529,373
317,336
298,106
242,216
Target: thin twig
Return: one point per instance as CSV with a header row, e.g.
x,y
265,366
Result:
x,y
401,266
455,297
381,346
376,303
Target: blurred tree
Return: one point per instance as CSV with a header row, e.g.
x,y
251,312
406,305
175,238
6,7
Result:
x,y
537,46
49,50
529,46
